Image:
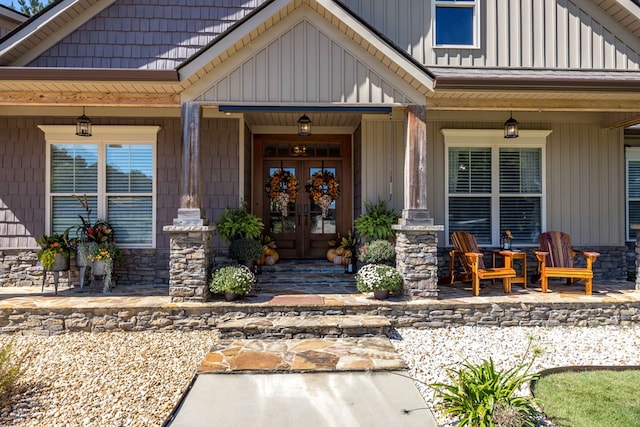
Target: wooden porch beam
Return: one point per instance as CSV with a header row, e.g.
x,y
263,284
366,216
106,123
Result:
x,y
498,103
190,183
121,99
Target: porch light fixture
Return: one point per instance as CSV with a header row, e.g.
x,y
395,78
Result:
x,y
83,125
511,127
304,125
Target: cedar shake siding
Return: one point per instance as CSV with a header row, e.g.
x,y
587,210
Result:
x,y
157,35
22,188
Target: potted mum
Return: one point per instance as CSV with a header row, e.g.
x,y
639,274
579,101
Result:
x,y
54,252
233,280
380,279
377,252
105,256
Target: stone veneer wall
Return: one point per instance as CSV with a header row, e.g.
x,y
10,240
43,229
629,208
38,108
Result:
x,y
207,316
139,267
417,261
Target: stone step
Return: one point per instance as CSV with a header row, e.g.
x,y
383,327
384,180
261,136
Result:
x,y
302,355
304,266
299,327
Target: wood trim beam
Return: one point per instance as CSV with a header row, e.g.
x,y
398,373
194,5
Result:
x,y
90,98
533,104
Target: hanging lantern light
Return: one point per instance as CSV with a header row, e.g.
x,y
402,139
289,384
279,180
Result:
x,y
304,125
511,127
83,125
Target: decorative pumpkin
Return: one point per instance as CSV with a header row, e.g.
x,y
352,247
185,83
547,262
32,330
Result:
x,y
337,260
271,252
331,254
270,260
346,257
340,251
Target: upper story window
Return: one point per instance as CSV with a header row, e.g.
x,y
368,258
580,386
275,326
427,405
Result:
x,y
456,23
494,185
115,169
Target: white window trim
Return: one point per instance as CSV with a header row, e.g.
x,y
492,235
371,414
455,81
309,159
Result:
x,y
494,138
476,23
633,154
102,136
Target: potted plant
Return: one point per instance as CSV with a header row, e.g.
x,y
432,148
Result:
x,y
54,251
239,223
380,279
89,234
269,253
233,280
376,222
103,259
377,252
245,250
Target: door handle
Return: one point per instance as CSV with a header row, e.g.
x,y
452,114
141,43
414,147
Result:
x,y
299,212
306,214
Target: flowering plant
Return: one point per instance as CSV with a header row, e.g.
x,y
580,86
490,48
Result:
x,y
377,251
107,251
324,188
282,187
51,245
378,277
237,279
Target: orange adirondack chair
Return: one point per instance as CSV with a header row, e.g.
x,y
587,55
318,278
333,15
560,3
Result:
x,y
555,259
467,251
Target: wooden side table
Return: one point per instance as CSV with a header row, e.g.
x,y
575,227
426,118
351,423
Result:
x,y
517,255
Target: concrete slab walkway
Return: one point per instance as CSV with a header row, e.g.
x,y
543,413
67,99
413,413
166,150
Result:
x,y
344,399
355,381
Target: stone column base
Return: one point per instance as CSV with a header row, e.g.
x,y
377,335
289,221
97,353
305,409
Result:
x,y
637,228
190,259
417,259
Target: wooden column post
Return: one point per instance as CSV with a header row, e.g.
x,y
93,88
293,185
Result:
x,y
190,211
415,167
416,236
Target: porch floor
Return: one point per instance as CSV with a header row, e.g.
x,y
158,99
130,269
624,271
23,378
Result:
x,y
315,294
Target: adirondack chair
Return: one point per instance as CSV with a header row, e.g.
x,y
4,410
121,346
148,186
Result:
x,y
555,259
467,251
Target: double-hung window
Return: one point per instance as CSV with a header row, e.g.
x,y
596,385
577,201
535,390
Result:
x,y
494,185
114,169
456,23
632,155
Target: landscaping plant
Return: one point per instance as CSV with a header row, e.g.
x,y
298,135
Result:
x,y
12,366
376,222
237,279
380,277
238,223
480,395
377,251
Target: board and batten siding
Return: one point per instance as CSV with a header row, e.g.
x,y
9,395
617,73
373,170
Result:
x,y
556,34
382,160
306,63
584,174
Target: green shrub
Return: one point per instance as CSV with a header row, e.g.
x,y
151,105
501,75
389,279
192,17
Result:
x,y
238,223
376,222
481,395
245,249
377,251
12,366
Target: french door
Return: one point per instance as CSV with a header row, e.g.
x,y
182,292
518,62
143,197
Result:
x,y
298,223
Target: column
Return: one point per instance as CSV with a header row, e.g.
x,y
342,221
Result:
x,y
637,228
416,235
191,244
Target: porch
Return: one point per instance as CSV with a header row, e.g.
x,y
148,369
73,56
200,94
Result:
x,y
137,308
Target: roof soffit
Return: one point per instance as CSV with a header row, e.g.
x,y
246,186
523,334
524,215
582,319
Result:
x,y
229,51
624,12
37,35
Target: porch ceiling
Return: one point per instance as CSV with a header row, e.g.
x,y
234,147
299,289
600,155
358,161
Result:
x,y
282,119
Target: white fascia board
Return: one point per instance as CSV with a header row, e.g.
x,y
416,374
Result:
x,y
379,44
51,40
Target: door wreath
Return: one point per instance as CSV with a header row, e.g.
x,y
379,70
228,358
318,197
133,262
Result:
x,y
282,187
323,188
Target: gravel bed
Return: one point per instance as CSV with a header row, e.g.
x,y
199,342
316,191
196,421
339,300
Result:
x,y
135,379
428,353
